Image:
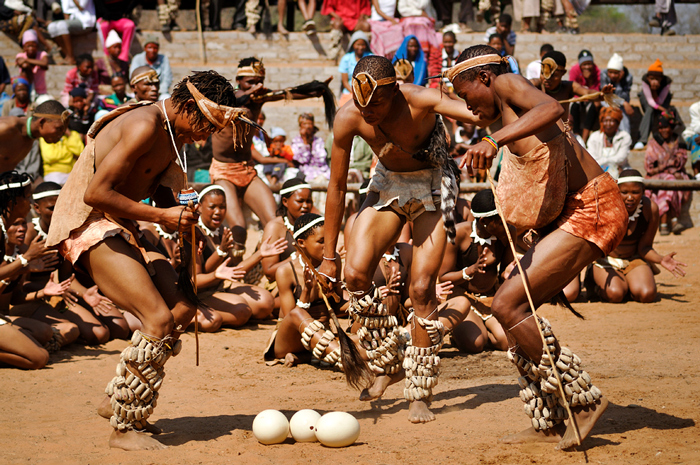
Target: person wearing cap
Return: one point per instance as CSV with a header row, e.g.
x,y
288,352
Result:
x,y
18,134
619,76
114,16
665,159
18,104
630,268
358,48
80,19
32,62
610,145
111,63
587,74
654,98
159,62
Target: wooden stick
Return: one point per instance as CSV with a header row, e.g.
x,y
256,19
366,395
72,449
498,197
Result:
x,y
532,306
194,282
200,36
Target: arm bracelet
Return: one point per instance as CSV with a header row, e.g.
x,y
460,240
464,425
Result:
x,y
304,305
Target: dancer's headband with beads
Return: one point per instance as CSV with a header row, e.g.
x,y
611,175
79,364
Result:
x,y
549,66
63,116
459,68
208,189
308,226
294,188
630,179
255,69
150,76
364,85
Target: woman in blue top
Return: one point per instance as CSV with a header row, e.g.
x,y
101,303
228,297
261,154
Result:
x,y
411,50
359,47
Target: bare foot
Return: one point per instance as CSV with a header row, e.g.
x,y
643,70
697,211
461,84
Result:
x,y
290,360
418,412
105,408
251,29
585,417
380,384
281,29
532,435
131,440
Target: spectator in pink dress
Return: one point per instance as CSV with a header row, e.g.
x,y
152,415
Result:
x,y
112,16
83,73
33,63
310,151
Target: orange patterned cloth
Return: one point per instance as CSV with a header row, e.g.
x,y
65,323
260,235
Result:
x,y
596,213
95,229
239,174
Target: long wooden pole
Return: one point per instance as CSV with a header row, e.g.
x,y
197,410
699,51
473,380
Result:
x,y
200,34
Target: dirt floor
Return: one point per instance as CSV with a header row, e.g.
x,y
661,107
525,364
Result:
x,y
642,356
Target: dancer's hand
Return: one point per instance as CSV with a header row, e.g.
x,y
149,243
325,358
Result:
x,y
52,288
608,89
179,218
37,248
268,249
309,286
479,156
392,285
328,270
228,273
673,265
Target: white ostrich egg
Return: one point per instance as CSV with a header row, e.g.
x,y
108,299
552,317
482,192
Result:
x,y
302,425
337,429
270,427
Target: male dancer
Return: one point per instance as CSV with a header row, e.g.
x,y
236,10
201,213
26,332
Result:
x,y
128,159
232,166
17,134
401,125
560,190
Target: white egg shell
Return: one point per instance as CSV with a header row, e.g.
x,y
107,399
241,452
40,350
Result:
x,y
337,429
270,427
302,425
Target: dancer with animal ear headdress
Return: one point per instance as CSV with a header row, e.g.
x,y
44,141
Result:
x,y
232,166
549,183
126,160
401,125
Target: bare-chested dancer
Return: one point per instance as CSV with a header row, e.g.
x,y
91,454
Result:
x,y
401,125
567,194
129,158
18,133
232,166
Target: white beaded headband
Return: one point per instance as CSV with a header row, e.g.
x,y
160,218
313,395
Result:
x,y
484,214
306,227
15,185
213,187
289,189
630,179
42,195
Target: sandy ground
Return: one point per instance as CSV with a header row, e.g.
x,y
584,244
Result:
x,y
643,357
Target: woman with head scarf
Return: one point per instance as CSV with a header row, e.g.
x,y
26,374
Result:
x,y
412,51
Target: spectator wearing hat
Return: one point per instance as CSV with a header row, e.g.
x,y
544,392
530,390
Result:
x,y
111,64
151,57
691,135
587,74
33,63
665,159
358,48
619,76
654,98
113,16
18,104
610,145
80,20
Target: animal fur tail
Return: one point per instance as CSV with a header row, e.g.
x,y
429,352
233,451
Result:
x,y
448,202
560,299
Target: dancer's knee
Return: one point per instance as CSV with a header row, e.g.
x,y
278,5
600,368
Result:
x,y
356,280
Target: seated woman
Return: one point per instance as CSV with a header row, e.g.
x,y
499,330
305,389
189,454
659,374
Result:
x,y
629,268
471,264
97,318
665,158
412,51
19,260
295,201
222,260
610,146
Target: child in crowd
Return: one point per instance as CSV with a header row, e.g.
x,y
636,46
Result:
x,y
33,63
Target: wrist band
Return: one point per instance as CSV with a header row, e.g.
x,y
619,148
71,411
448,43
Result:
x,y
304,305
465,276
6,283
329,259
22,260
491,141
220,252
